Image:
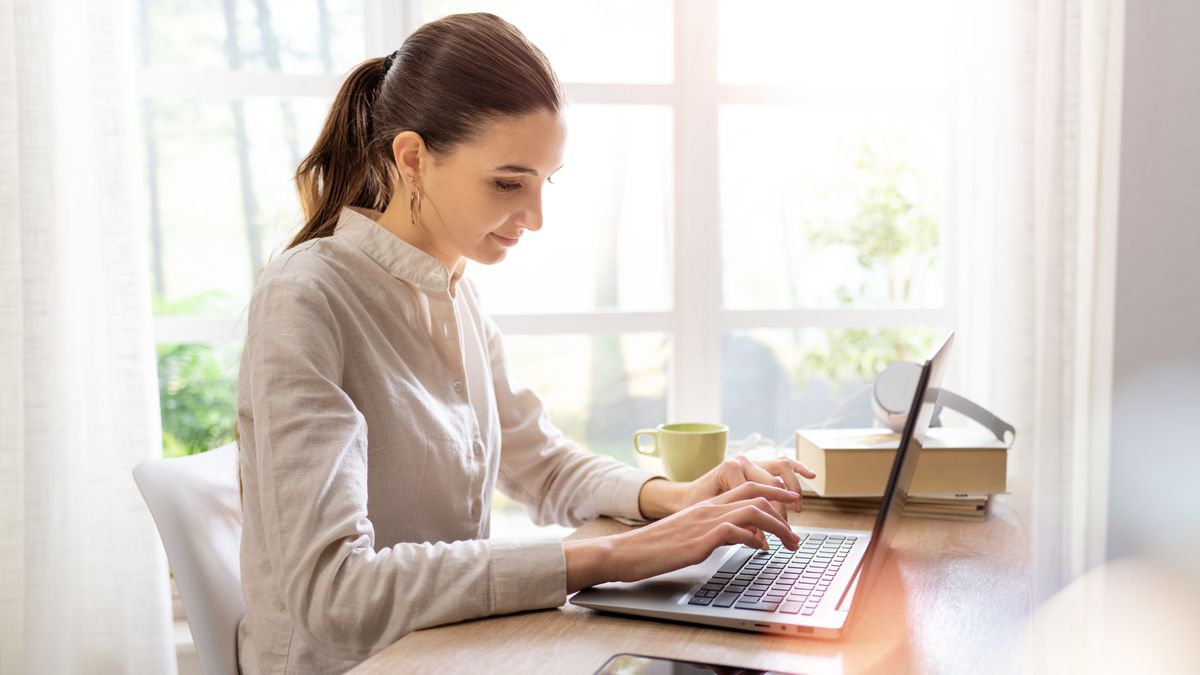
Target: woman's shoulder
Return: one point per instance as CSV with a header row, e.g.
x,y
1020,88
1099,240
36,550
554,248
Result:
x,y
313,274
319,262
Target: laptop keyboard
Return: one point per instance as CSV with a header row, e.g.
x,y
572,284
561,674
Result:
x,y
777,580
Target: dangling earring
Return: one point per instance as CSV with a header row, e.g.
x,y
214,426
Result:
x,y
414,207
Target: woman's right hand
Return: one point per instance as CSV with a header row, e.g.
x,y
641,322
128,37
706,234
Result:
x,y
739,516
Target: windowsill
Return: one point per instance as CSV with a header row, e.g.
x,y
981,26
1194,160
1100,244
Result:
x,y
184,646
186,659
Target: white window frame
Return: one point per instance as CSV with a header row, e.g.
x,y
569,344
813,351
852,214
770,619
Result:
x,y
696,320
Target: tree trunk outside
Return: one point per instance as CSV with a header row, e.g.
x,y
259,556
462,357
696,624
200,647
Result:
x,y
249,203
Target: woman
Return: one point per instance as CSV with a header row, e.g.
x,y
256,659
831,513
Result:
x,y
376,410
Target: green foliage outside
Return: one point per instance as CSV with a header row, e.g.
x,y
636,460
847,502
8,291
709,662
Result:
x,y
894,233
197,385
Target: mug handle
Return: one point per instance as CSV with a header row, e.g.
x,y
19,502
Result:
x,y
653,452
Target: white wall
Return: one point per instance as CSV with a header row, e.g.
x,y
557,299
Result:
x,y
1155,470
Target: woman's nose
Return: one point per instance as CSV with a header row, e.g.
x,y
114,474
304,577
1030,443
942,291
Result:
x,y
531,218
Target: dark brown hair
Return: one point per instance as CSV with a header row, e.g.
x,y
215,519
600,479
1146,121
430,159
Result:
x,y
448,78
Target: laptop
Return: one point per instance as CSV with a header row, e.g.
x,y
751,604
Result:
x,y
808,592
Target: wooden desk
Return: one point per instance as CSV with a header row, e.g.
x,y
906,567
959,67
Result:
x,y
954,596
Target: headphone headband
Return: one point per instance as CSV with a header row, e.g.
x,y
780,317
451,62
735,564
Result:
x,y
893,394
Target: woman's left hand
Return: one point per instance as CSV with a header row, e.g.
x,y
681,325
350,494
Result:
x,y
778,472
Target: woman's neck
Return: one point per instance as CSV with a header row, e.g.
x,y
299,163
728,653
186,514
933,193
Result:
x,y
395,219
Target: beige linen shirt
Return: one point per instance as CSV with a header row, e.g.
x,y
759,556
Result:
x,y
376,413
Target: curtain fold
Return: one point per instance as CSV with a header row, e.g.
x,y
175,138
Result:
x,y
83,586
1039,116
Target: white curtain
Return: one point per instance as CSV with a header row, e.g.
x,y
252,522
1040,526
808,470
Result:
x,y
83,580
1039,118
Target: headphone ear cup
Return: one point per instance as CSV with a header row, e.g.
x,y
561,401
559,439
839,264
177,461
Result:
x,y
893,393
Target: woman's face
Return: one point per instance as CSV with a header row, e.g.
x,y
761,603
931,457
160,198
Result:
x,y
480,198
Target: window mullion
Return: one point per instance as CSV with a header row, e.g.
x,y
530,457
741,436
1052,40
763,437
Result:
x,y
694,391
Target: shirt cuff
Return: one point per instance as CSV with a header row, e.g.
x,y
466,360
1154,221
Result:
x,y
619,499
527,574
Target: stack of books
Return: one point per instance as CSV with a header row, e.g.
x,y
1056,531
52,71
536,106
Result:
x,y
958,471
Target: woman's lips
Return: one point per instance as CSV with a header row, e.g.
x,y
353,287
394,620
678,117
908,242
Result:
x,y
504,241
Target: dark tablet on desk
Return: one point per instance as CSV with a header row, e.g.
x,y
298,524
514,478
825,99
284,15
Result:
x,y
635,664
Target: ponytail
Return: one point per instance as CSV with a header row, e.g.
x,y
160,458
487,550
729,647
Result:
x,y
345,166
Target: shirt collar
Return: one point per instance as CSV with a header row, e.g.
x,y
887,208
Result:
x,y
401,259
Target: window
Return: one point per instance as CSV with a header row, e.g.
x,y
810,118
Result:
x,y
751,220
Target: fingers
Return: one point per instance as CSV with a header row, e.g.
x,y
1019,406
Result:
x,y
729,533
757,515
751,489
800,468
757,473
789,479
786,469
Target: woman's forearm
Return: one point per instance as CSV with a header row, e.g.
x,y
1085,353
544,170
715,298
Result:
x,y
594,561
589,562
659,498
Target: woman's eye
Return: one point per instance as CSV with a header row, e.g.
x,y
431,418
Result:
x,y
506,187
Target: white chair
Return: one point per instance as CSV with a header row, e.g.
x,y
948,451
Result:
x,y
195,504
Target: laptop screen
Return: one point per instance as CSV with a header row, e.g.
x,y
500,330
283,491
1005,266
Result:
x,y
905,465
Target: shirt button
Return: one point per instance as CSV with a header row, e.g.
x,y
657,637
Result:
x,y
475,510
458,386
478,448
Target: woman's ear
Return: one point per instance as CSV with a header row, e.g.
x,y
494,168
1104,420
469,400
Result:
x,y
407,149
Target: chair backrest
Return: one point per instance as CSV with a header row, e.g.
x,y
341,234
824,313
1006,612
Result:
x,y
195,504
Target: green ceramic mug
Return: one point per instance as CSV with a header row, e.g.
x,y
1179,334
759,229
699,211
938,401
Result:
x,y
688,450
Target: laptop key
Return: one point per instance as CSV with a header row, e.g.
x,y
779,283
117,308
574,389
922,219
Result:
x,y
697,600
790,607
735,561
761,606
725,600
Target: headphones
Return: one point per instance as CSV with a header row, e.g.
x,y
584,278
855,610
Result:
x,y
893,394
